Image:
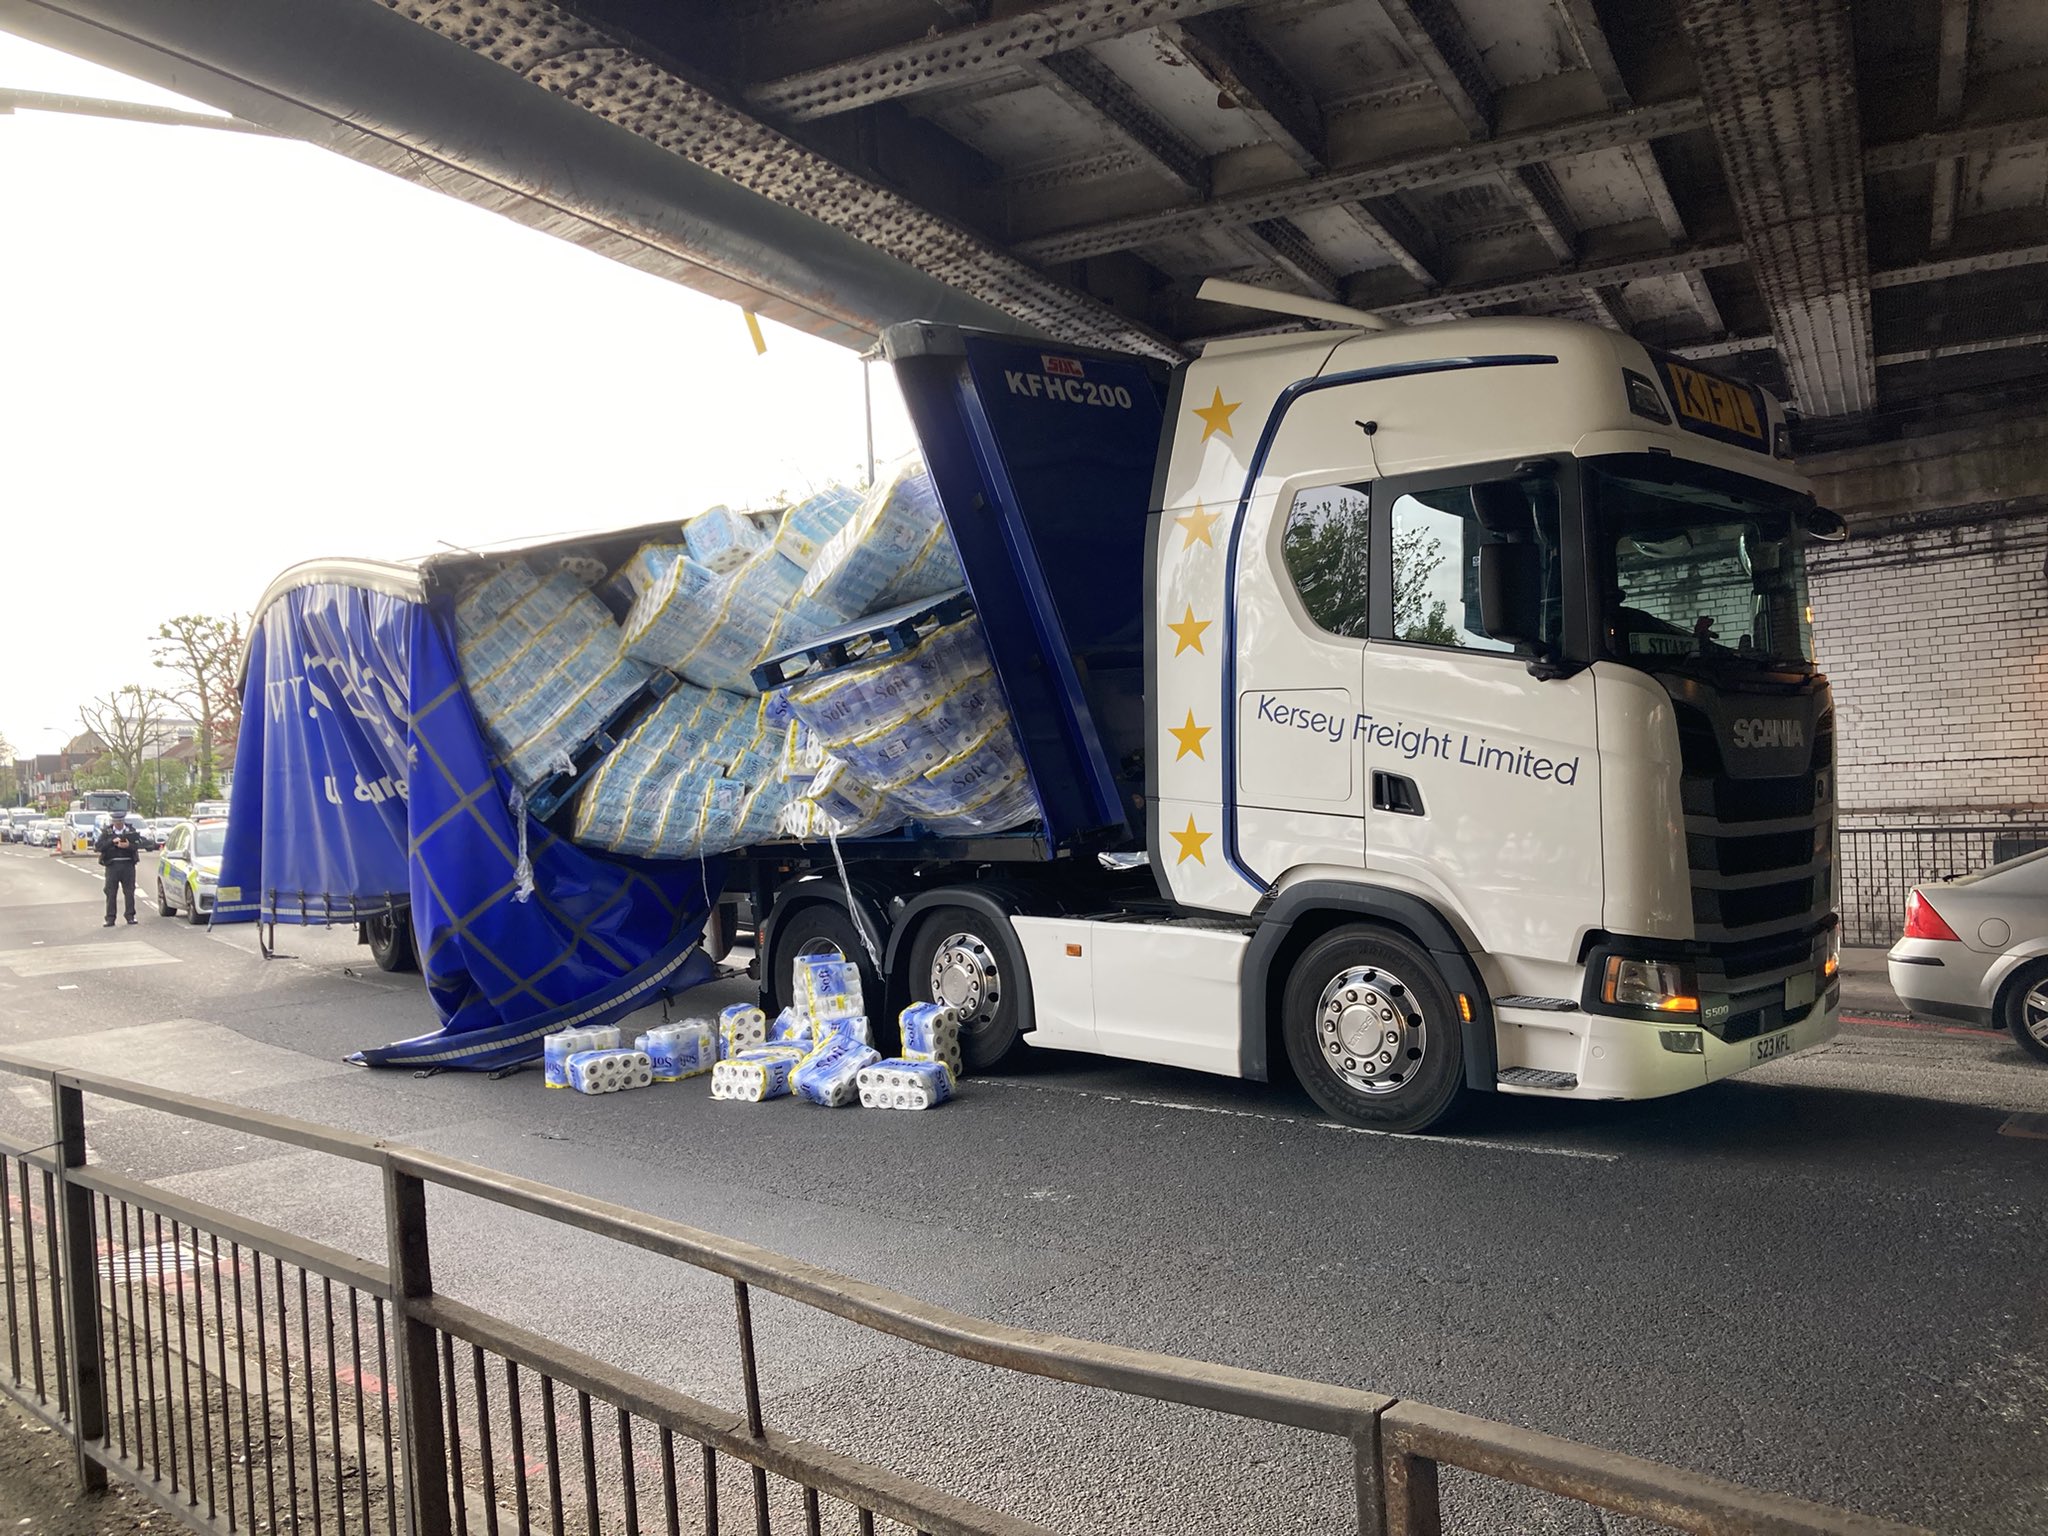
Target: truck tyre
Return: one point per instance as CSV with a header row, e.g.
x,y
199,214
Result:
x,y
821,927
390,940
2023,1009
971,962
1372,1030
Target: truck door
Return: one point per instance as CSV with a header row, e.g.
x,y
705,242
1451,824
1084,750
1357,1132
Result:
x,y
1482,778
1303,602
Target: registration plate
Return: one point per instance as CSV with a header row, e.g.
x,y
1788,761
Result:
x,y
1771,1047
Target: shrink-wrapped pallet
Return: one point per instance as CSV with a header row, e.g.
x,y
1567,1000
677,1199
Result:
x,y
544,666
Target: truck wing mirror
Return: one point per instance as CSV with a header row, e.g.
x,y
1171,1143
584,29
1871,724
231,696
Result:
x,y
1509,581
1824,525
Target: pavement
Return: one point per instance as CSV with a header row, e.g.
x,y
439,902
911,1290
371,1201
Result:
x,y
1822,1277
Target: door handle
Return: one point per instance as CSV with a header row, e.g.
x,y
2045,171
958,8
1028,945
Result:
x,y
1397,793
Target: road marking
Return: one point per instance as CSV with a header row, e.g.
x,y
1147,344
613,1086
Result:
x,y
56,959
1915,1024
1317,1125
2029,1126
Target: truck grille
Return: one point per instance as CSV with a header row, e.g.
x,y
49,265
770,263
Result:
x,y
1758,848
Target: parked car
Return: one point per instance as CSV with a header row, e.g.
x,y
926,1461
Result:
x,y
188,874
1976,950
46,833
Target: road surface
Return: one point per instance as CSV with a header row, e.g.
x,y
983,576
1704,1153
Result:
x,y
1824,1278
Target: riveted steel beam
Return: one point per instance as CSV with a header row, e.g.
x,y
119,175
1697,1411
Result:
x,y
1960,266
1778,77
547,45
1091,88
1390,226
962,54
1433,33
1285,246
1724,346
1535,188
1405,173
1224,50
1583,23
1570,282
1962,349
1974,138
1950,74
1607,303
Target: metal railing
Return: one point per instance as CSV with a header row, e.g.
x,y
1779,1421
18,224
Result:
x,y
248,1379
1876,866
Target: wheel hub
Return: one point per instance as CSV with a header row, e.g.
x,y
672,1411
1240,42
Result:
x,y
965,978
2035,1009
1370,1029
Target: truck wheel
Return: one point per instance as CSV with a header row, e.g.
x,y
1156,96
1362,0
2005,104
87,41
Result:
x,y
390,939
970,962
820,927
1372,1030
2024,1005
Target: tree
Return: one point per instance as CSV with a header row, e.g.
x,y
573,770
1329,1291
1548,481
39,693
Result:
x,y
1417,554
127,724
202,653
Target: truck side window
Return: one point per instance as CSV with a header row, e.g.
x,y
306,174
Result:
x,y
1436,539
1325,545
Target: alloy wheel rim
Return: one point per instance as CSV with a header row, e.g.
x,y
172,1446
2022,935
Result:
x,y
966,978
1370,1029
2034,1012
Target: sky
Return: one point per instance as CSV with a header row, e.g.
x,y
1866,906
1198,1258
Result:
x,y
223,354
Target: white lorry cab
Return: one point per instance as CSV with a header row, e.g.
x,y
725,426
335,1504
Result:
x,y
1421,711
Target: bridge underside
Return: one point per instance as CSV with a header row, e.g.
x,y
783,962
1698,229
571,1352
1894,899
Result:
x,y
1844,200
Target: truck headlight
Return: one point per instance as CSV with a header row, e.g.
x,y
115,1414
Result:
x,y
1664,986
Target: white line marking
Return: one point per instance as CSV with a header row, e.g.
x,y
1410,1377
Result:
x,y
108,955
1319,1125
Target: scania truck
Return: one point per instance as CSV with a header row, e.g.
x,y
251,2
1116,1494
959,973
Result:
x,y
1421,710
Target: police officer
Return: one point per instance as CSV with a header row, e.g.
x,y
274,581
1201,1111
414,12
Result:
x,y
120,851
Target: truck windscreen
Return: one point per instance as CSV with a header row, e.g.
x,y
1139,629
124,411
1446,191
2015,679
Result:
x,y
1703,566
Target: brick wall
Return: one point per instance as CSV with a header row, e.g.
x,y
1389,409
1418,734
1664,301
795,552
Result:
x,y
1936,642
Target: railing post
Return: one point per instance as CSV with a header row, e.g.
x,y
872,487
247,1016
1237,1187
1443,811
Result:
x,y
1410,1482
419,1371
80,1324
1368,1483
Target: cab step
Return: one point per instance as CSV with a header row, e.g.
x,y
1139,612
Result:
x,y
1536,1077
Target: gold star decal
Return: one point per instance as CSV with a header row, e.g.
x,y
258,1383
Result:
x,y
1190,843
1195,526
1188,634
1216,415
1189,736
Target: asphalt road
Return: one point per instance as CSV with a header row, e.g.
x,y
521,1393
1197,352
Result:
x,y
1824,1278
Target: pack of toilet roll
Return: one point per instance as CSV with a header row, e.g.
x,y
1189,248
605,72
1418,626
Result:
x,y
677,1051
923,735
741,1027
899,1083
609,1071
830,1074
931,1032
556,1049
544,665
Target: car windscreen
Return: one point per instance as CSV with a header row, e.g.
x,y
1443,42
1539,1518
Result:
x,y
207,842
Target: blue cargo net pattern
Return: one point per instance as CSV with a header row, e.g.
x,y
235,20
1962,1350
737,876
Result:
x,y
377,789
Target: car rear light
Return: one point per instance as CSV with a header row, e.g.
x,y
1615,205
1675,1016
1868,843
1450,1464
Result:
x,y
1923,922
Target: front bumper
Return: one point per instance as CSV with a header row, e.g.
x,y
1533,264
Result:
x,y
1615,1058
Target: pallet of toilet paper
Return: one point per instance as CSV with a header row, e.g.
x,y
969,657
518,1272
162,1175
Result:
x,y
921,734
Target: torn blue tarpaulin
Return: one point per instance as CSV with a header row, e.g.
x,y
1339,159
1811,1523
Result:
x,y
363,785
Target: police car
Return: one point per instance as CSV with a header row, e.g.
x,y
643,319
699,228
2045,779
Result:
x,y
188,874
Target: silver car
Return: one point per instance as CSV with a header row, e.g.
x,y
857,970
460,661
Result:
x,y
1976,949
